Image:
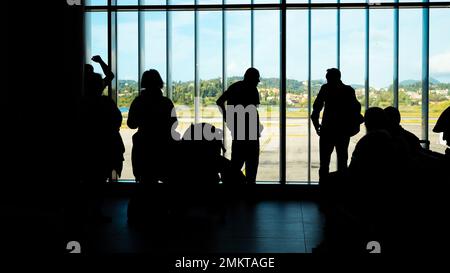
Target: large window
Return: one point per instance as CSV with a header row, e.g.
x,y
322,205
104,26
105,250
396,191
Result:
x,y
388,55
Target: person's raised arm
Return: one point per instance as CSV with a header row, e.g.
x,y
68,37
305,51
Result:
x,y
109,75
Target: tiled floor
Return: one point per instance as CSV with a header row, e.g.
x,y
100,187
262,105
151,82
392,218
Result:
x,y
249,227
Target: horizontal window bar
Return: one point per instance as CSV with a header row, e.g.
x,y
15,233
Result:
x,y
372,5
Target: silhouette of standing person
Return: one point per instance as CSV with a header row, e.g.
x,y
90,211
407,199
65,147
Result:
x,y
154,117
102,147
242,118
341,119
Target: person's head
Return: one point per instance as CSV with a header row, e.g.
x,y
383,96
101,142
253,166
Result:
x,y
375,119
94,84
333,75
393,116
251,76
88,69
443,125
151,80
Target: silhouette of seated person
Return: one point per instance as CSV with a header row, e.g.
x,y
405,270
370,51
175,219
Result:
x,y
367,200
200,161
437,210
443,126
202,173
397,131
421,163
102,147
155,118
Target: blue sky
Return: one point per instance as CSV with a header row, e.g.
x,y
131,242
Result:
x,y
267,43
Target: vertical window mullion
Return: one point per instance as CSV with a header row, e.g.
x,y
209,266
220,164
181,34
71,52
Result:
x,y
112,49
425,69
224,62
309,93
168,52
88,45
141,43
283,92
396,55
338,36
366,81
252,35
196,66
88,36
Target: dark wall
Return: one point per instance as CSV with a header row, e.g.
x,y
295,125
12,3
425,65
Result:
x,y
45,60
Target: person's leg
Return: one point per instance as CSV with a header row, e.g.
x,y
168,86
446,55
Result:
x,y
237,155
342,152
326,147
252,161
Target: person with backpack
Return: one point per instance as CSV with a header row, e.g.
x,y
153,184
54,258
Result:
x,y
341,120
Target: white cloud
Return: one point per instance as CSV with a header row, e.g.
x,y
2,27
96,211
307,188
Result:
x,y
440,64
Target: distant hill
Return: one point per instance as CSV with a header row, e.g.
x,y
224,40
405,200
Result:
x,y
293,86
414,82
357,86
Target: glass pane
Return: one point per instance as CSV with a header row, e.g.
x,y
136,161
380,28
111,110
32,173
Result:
x,y
297,96
323,56
353,31
439,71
210,66
181,2
237,52
127,77
267,61
381,59
155,42
266,1
183,67
154,2
96,38
127,2
96,2
410,70
238,1
209,2
323,1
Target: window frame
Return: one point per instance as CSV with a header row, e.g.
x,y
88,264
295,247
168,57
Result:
x,y
282,6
